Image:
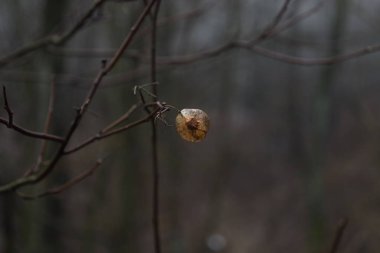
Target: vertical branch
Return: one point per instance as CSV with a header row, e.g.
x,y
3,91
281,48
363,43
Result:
x,y
7,108
156,176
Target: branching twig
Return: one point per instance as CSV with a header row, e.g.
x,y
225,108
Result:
x,y
105,133
34,178
64,186
85,52
267,32
298,18
10,124
274,30
104,71
55,39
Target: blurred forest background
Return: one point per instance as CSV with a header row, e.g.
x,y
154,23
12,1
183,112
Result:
x,y
293,146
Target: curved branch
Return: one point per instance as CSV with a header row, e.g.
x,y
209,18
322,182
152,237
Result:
x,y
187,59
41,174
314,61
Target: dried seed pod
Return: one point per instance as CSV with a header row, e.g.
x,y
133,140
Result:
x,y
192,124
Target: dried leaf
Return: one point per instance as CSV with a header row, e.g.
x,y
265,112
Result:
x,y
192,124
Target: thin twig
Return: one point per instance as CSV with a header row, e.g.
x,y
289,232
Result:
x,y
136,123
338,235
298,18
187,59
103,72
7,108
105,134
58,189
313,61
121,119
252,45
31,133
276,20
278,56
54,39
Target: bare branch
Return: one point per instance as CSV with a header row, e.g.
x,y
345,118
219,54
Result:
x,y
34,178
298,18
121,119
85,52
56,190
103,72
54,39
252,45
33,134
187,59
276,20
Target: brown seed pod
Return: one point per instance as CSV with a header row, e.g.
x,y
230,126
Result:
x,y
192,124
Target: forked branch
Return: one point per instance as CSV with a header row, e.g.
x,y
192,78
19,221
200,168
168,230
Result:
x,y
10,124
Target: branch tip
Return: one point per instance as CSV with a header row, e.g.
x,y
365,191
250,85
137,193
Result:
x,y
7,108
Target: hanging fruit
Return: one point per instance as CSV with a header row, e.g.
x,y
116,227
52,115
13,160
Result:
x,y
192,124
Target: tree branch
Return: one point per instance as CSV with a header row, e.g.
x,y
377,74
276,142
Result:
x,y
267,32
312,61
